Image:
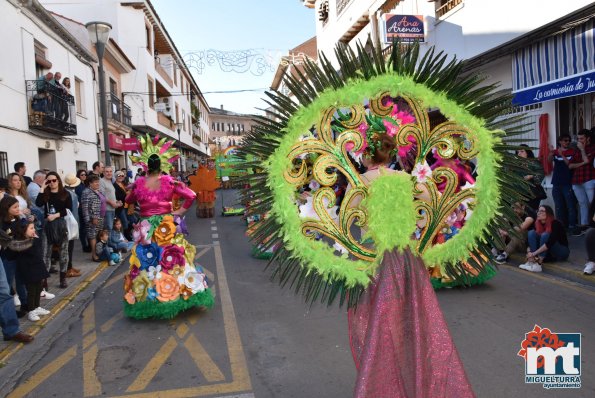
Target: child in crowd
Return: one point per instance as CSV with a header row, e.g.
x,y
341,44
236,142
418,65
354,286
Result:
x,y
102,249
117,241
30,266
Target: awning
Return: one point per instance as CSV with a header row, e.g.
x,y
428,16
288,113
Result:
x,y
561,65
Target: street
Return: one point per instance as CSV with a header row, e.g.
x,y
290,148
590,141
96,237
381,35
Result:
x,y
262,341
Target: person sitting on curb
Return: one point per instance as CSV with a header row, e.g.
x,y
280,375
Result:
x,y
517,241
117,241
102,249
590,241
547,241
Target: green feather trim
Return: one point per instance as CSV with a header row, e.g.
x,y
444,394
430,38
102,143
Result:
x,y
391,211
486,274
317,255
167,310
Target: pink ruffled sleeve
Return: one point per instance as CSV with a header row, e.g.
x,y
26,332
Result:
x,y
184,192
131,197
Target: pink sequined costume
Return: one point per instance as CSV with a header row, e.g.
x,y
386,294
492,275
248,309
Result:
x,y
158,202
399,339
163,279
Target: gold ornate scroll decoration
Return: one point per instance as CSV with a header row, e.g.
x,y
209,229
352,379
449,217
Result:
x,y
448,138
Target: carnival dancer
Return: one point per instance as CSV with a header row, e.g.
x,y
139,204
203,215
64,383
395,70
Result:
x,y
412,220
163,279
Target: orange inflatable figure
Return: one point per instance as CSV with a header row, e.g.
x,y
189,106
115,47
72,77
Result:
x,y
204,183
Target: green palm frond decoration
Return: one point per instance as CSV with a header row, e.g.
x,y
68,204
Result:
x,y
312,134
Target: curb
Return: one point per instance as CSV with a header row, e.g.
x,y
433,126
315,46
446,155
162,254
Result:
x,y
563,269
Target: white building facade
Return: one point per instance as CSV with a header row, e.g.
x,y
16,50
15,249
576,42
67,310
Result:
x,y
61,134
160,90
542,53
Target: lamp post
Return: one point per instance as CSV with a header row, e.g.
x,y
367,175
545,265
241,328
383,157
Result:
x,y
179,126
99,35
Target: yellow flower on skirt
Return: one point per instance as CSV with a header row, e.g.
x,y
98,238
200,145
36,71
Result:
x,y
141,285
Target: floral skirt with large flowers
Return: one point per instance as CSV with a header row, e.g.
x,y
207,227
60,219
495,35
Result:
x,y
163,279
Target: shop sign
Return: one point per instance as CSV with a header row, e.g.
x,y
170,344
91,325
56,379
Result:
x,y
115,141
570,87
122,144
130,144
404,28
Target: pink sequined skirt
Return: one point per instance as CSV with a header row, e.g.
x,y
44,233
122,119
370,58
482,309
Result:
x,y
399,338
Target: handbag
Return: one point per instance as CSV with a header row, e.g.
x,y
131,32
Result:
x,y
71,225
56,231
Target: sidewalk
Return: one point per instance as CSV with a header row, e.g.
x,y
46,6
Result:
x,y
571,269
69,300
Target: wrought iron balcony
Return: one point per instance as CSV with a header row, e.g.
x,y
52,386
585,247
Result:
x,y
50,108
118,111
126,115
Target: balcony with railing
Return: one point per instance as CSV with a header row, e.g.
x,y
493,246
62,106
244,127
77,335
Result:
x,y
446,6
118,111
50,108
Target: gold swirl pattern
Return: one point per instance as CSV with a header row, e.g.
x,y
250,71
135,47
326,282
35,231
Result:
x,y
337,133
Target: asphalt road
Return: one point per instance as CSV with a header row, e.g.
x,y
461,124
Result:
x,y
262,341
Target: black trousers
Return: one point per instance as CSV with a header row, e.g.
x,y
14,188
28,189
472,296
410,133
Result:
x,y
33,295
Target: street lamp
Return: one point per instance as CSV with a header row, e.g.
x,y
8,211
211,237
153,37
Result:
x,y
99,35
179,126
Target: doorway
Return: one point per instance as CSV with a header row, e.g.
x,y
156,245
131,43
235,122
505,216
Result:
x,y
47,159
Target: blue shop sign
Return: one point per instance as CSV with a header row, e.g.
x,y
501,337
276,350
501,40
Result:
x,y
570,87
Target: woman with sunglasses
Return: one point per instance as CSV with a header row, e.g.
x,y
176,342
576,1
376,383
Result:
x,y
54,200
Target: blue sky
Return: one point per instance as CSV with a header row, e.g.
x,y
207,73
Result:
x,y
270,27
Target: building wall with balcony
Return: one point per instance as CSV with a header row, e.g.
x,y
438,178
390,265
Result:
x,y
466,29
25,134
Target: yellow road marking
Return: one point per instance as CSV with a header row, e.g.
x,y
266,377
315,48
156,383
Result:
x,y
191,392
91,383
202,252
34,329
203,361
113,280
107,325
149,372
89,318
47,371
89,339
182,330
239,368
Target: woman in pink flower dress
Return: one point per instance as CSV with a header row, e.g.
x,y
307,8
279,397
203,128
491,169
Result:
x,y
163,279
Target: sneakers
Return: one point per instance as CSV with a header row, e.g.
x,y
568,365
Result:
x,y
589,268
501,258
41,311
531,266
17,302
577,231
47,295
33,317
112,263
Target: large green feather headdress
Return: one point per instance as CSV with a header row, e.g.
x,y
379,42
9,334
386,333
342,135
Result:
x,y
433,111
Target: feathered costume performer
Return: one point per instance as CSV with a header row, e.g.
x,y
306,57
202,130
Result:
x,y
430,111
163,279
